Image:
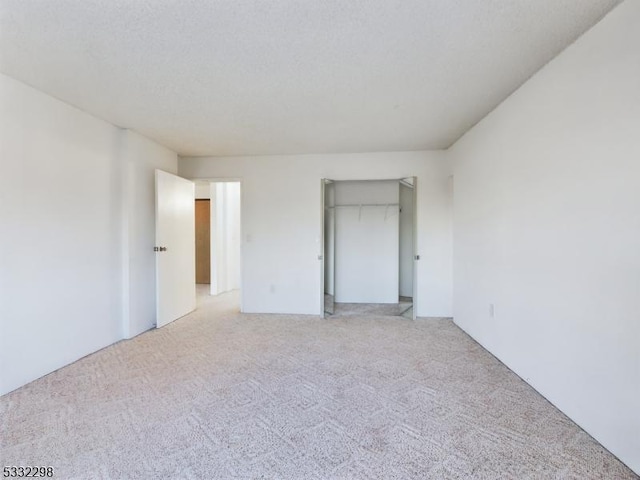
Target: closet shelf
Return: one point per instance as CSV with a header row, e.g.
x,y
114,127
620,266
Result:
x,y
361,205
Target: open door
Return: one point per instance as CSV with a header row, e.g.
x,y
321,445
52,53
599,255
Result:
x,y
416,257
175,248
408,245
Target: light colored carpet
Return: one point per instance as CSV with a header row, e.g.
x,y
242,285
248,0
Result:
x,y
223,395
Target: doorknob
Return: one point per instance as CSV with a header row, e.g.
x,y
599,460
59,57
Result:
x,y
159,249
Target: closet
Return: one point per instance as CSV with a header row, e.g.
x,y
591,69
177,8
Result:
x,y
368,247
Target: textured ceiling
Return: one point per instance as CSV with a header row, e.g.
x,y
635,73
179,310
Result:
x,y
231,77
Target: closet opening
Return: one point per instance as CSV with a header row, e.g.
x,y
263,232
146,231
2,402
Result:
x,y
368,234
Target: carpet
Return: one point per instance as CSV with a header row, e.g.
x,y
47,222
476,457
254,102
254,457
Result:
x,y
222,395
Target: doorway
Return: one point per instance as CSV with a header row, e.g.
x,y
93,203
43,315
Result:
x,y
368,247
218,249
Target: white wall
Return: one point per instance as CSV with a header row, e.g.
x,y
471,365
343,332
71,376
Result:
x,y
547,228
366,242
74,204
203,190
60,205
233,235
141,157
281,221
225,237
406,241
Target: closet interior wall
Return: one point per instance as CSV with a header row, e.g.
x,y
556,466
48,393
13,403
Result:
x,y
366,241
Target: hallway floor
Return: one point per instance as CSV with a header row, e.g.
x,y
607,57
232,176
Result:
x,y
218,394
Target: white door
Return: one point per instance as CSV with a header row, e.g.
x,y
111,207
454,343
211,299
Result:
x,y
327,249
416,257
175,247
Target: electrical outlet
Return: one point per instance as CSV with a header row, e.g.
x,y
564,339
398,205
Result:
x,y
272,288
492,310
